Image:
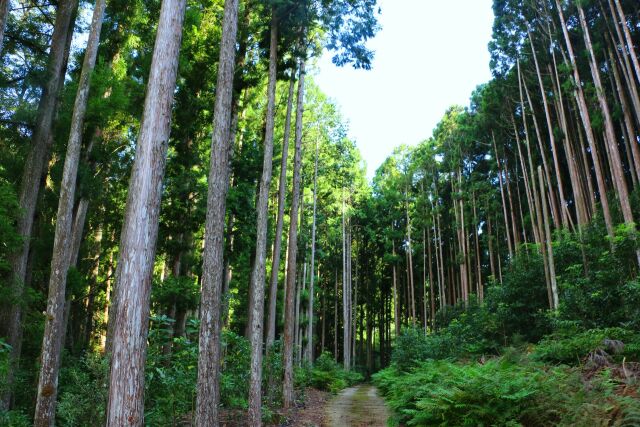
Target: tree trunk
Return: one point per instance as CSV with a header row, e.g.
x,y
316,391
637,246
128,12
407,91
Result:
x,y
287,386
54,322
628,38
34,169
259,265
313,260
4,15
277,245
504,201
335,319
611,139
631,139
396,299
548,241
208,390
140,228
586,120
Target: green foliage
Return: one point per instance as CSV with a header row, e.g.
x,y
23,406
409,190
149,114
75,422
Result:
x,y
466,333
327,375
571,346
520,303
9,237
83,391
505,391
14,419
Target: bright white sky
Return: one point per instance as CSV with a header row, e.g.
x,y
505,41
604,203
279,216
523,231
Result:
x,y
430,54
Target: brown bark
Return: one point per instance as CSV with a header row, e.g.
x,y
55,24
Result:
x,y
287,386
396,299
54,322
208,390
140,226
4,15
628,38
553,302
277,245
504,201
586,120
34,169
313,260
259,264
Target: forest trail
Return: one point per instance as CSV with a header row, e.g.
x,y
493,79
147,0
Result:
x,y
357,407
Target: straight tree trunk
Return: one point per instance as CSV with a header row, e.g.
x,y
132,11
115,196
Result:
x,y
504,202
628,122
54,321
287,386
140,227
277,245
611,139
259,265
4,15
208,390
396,299
335,319
34,169
624,60
586,120
628,38
410,264
548,239
313,260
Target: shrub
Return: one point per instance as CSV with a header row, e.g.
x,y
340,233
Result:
x,y
327,375
507,391
571,347
83,391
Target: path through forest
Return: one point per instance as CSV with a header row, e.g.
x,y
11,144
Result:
x,y
357,407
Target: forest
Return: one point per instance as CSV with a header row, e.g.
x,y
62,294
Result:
x,y
188,235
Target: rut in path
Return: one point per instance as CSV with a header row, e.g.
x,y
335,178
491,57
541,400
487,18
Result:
x,y
357,407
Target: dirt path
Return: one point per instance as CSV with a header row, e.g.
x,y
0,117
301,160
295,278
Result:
x,y
357,407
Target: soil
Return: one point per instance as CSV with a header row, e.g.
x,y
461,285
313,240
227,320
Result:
x,y
357,407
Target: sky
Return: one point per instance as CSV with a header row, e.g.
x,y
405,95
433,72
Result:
x,y
429,55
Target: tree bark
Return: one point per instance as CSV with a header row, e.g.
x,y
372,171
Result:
x,y
34,169
259,264
4,15
277,245
287,386
313,260
628,38
140,227
549,246
586,120
208,390
54,322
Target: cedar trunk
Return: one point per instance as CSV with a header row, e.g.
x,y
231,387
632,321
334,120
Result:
x,y
140,226
259,264
289,320
208,390
54,321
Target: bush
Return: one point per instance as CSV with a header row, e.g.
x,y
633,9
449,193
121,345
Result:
x,y
83,391
520,303
327,375
508,391
571,347
471,332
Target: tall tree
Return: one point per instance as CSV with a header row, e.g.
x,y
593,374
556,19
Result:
x,y
289,320
63,243
257,285
208,388
140,227
34,169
